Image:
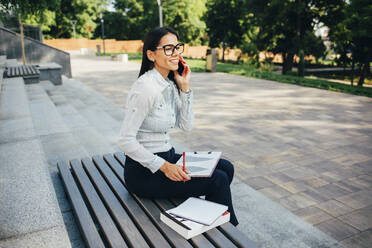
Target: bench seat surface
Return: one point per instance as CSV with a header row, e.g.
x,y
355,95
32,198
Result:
x,y
109,216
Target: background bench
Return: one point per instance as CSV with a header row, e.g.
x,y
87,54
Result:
x,y
30,73
109,216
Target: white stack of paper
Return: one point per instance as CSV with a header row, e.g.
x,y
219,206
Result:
x,y
195,216
189,229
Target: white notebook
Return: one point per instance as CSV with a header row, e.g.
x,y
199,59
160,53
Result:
x,y
200,164
199,210
189,229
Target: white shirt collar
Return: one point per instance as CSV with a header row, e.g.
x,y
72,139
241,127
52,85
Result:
x,y
163,83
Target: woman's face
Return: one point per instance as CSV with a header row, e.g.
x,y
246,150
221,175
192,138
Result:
x,y
162,62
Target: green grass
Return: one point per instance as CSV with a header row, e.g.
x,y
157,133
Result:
x,y
198,65
131,56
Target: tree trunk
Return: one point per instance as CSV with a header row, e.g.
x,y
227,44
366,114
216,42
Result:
x,y
22,40
287,62
352,72
223,53
363,73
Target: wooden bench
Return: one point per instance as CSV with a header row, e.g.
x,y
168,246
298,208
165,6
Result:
x,y
30,73
109,216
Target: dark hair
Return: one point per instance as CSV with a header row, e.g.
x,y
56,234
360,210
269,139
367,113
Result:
x,y
151,41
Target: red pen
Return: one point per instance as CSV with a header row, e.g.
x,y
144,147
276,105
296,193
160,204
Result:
x,y
184,164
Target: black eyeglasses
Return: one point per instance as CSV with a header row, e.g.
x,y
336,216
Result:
x,y
169,49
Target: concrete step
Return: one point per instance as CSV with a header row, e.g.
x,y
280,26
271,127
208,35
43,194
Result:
x,y
85,102
84,130
94,98
30,215
13,103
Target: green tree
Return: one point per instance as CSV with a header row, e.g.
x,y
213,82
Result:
x,y
85,12
133,19
25,8
287,26
225,21
185,17
358,21
349,24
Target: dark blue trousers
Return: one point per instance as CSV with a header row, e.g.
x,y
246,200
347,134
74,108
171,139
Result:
x,y
216,188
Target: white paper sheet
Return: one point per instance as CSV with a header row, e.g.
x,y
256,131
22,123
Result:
x,y
199,210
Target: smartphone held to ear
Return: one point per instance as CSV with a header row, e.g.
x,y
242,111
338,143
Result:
x,y
181,66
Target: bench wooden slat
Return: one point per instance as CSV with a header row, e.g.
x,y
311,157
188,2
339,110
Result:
x,y
109,229
198,241
120,157
148,206
150,232
236,236
86,224
173,237
128,228
28,70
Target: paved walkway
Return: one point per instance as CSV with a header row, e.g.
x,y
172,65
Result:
x,y
306,149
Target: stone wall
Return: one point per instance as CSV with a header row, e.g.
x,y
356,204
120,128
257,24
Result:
x,y
36,52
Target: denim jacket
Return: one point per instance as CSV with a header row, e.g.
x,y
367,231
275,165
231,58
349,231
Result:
x,y
152,109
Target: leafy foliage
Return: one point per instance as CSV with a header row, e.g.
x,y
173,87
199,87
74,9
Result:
x,y
226,22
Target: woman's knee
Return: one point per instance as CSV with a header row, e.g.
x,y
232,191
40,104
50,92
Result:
x,y
221,178
228,167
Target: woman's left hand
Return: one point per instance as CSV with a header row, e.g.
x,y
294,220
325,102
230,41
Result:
x,y
183,80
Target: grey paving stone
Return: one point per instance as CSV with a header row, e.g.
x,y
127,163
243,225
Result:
x,y
294,186
347,185
13,100
258,182
335,208
271,225
337,229
18,129
278,178
27,197
314,195
331,191
360,240
313,215
360,219
296,201
314,181
357,200
299,172
275,192
55,237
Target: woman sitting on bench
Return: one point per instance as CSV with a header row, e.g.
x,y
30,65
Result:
x,y
159,100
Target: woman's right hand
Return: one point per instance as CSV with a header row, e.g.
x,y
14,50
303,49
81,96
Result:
x,y
174,172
